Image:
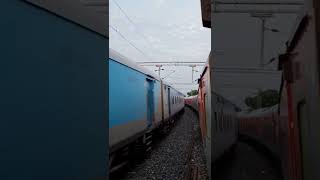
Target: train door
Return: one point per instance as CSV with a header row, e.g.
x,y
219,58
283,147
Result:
x,y
205,114
169,102
162,100
150,102
303,128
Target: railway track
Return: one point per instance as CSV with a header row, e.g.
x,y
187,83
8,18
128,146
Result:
x,y
195,170
172,156
190,173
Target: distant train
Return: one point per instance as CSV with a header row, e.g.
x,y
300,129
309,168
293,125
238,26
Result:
x,y
139,103
192,102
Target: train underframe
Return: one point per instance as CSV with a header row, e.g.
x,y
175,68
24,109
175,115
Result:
x,y
140,145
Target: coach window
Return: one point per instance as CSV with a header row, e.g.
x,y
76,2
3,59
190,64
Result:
x,y
223,122
231,121
227,121
215,121
220,121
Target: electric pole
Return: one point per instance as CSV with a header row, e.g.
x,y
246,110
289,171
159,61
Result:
x,y
192,67
159,69
262,17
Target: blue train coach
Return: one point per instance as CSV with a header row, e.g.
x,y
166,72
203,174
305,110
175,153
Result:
x,y
134,103
139,103
53,90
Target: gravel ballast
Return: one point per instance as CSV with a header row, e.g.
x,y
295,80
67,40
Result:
x,y
169,156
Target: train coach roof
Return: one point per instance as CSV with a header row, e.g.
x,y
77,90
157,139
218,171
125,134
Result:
x,y
168,84
206,66
259,112
125,61
176,90
191,97
92,15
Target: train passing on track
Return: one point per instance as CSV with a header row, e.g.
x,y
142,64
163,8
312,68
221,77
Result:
x,y
217,118
139,103
53,96
264,126
192,102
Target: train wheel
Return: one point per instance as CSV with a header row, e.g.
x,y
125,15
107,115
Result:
x,y
119,160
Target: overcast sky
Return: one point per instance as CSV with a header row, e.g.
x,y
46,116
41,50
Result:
x,y
237,38
164,30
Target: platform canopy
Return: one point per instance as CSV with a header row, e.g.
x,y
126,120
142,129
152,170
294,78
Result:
x,y
206,13
91,14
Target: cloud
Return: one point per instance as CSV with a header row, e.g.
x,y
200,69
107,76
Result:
x,y
163,30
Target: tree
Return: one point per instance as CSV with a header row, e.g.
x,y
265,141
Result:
x,y
192,93
269,97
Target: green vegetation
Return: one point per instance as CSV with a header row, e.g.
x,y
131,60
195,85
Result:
x,y
192,93
269,97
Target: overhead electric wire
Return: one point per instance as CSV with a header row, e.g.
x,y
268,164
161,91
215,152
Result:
x,y
131,21
137,29
128,40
